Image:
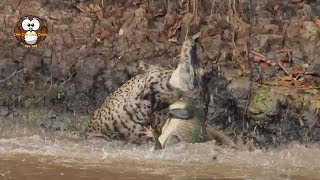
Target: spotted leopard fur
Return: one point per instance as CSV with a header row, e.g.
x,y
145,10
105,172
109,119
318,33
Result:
x,y
132,112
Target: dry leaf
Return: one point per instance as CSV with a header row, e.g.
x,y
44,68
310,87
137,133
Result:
x,y
174,28
91,6
285,81
242,72
264,65
91,9
257,57
285,50
283,66
96,8
99,15
286,78
296,71
83,47
273,63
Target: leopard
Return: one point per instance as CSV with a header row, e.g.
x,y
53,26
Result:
x,y
137,110
130,113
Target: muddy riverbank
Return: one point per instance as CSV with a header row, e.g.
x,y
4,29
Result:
x,y
93,47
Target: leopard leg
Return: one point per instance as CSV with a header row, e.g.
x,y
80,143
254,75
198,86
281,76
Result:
x,y
150,133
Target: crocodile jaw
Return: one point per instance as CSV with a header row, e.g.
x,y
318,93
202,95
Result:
x,y
185,76
182,80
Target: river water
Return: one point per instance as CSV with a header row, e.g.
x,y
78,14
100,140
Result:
x,y
30,153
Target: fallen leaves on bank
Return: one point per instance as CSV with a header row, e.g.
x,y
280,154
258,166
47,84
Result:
x,y
91,8
173,30
296,76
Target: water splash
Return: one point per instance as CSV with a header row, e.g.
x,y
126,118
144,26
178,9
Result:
x,y
183,160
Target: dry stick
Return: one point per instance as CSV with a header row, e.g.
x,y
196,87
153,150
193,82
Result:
x,y
211,11
218,10
68,79
233,20
195,10
25,69
235,10
249,63
48,91
15,72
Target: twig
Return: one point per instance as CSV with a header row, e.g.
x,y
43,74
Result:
x,y
211,11
24,69
68,79
218,10
195,10
48,91
15,72
13,100
249,63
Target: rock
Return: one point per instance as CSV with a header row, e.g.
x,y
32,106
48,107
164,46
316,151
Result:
x,y
81,28
25,9
19,53
128,13
120,77
315,8
85,75
212,46
4,111
309,31
269,72
239,88
7,67
15,4
32,62
59,68
270,28
265,101
314,68
170,19
47,53
11,21
56,15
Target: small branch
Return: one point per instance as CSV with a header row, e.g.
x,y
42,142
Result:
x,y
211,11
15,72
67,79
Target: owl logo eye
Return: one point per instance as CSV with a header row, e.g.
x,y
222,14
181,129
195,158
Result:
x,y
26,24
35,24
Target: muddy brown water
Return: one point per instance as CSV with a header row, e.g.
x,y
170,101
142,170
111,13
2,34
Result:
x,y
29,153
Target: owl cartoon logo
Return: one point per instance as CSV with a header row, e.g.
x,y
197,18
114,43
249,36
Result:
x,y
30,30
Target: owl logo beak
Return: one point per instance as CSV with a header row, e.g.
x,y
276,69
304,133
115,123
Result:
x,y
30,29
